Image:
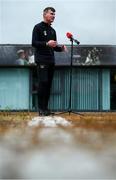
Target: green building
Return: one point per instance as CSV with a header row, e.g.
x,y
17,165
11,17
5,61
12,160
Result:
x,y
93,79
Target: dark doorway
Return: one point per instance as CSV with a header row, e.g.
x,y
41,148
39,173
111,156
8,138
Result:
x,y
113,89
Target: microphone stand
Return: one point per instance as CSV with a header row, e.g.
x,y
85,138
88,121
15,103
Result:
x,y
69,110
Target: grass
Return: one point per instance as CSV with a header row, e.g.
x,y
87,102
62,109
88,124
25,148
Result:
x,y
19,119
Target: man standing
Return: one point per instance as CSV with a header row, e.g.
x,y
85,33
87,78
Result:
x,y
21,58
44,41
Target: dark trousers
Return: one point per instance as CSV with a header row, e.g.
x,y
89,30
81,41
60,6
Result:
x,y
45,74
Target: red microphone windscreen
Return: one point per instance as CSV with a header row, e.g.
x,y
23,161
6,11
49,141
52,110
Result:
x,y
69,35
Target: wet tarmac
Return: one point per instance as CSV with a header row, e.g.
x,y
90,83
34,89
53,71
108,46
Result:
x,y
74,152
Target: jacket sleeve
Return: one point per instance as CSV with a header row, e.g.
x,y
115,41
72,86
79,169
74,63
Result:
x,y
57,48
35,39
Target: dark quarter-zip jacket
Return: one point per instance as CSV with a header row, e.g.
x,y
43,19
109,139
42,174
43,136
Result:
x,y
42,33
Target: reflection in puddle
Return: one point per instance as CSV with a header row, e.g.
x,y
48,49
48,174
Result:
x,y
58,153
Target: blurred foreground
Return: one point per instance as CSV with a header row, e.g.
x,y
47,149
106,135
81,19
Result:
x,y
84,150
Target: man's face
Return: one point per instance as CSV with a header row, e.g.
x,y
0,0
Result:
x,y
22,55
49,16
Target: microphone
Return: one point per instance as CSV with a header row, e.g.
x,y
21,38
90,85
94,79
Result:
x,y
70,36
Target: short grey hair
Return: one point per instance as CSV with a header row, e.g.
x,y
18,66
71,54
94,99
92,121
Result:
x,y
49,8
